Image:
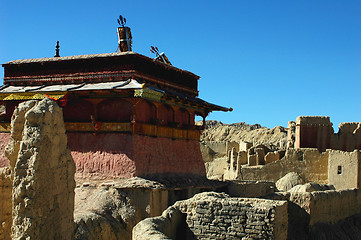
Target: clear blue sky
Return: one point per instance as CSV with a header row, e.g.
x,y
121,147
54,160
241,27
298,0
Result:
x,y
269,60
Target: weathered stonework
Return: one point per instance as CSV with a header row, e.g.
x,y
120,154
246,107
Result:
x,y
217,216
43,185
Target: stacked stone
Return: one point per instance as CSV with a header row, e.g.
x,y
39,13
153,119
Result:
x,y
236,218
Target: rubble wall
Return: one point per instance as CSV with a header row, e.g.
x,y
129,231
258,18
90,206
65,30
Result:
x,y
309,163
6,184
113,155
217,216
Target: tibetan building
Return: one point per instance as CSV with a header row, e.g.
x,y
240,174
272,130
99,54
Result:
x,y
125,114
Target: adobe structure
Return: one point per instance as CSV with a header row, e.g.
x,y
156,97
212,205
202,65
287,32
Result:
x,y
317,132
125,114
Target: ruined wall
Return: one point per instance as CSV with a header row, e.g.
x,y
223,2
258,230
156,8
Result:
x,y
217,216
43,170
309,163
348,137
109,155
344,169
313,132
317,132
6,184
332,206
328,206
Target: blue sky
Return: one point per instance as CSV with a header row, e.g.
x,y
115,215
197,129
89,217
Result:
x,y
271,61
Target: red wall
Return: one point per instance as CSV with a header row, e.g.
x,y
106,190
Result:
x,y
109,155
124,155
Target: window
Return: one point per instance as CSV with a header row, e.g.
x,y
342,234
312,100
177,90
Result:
x,y
339,169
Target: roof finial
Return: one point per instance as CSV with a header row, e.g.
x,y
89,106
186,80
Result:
x,y
57,49
124,36
161,57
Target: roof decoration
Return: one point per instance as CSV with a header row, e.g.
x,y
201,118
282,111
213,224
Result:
x,y
161,57
124,35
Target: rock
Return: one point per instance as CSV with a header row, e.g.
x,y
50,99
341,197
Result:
x,y
288,181
310,187
43,169
5,203
103,213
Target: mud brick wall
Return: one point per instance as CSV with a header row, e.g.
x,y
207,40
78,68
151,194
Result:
x,y
217,216
317,132
234,218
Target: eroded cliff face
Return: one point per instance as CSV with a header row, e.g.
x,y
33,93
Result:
x,y
43,173
275,138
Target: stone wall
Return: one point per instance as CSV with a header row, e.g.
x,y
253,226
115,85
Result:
x,y
217,216
6,184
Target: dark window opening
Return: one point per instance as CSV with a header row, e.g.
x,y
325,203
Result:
x,y
339,169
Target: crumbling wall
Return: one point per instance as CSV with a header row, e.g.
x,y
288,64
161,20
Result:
x,y
214,154
327,206
217,216
317,132
348,137
344,169
5,203
43,170
332,206
313,132
309,163
291,134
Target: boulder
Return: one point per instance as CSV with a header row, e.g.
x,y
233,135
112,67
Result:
x,y
310,187
288,181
